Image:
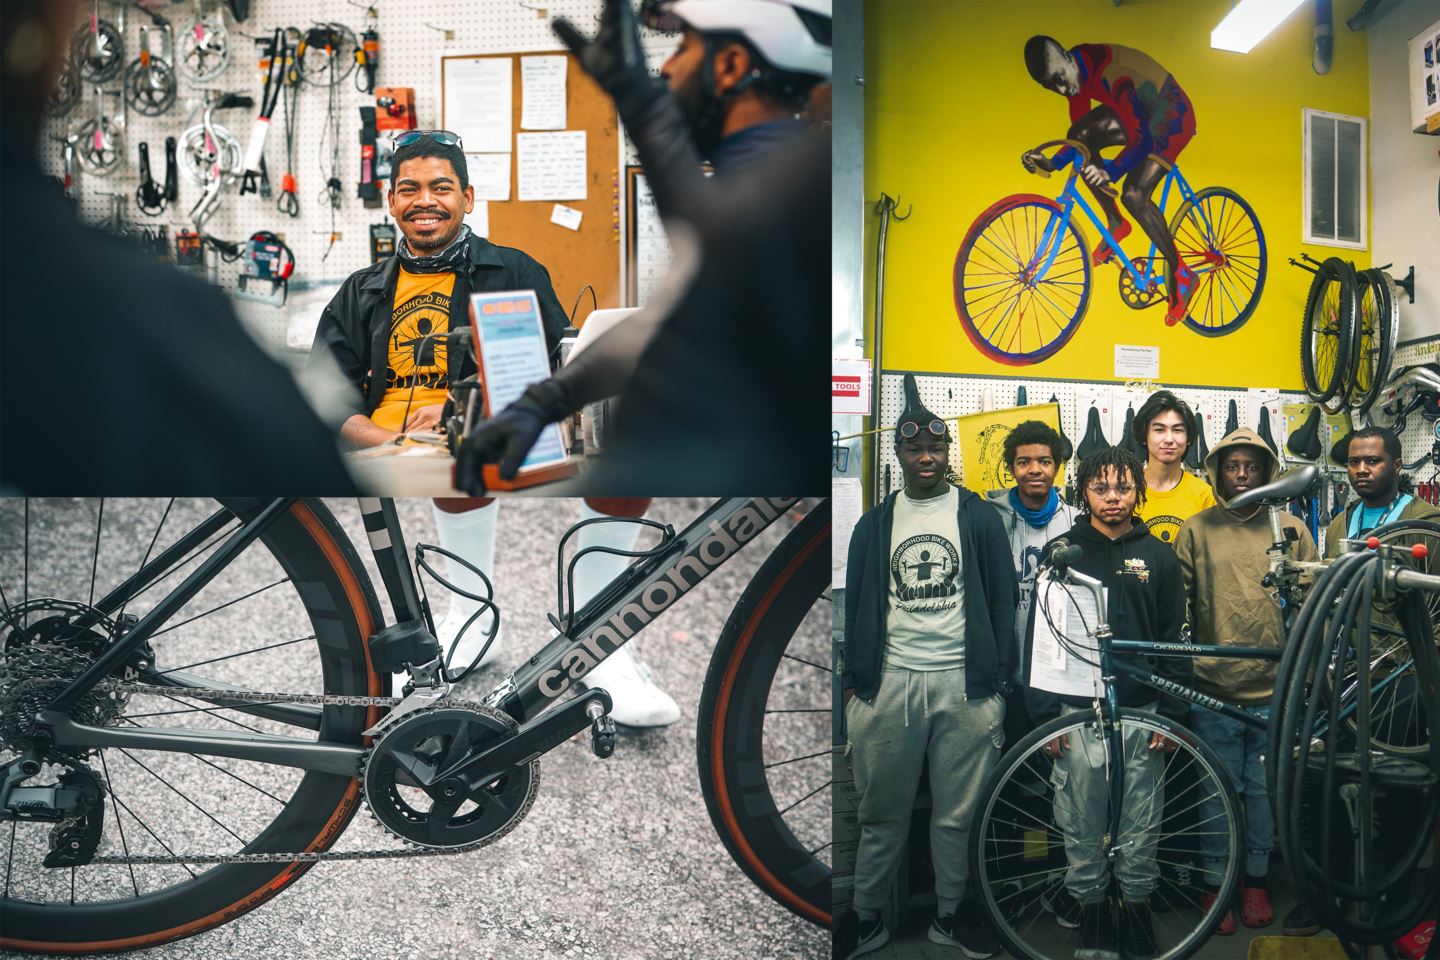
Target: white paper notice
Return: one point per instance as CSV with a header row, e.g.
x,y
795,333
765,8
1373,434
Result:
x,y
479,102
489,175
567,217
1072,611
652,248
551,166
1137,363
542,93
478,220
844,514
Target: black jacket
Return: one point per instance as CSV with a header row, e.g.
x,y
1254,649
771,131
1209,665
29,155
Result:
x,y
355,326
991,593
122,376
1147,602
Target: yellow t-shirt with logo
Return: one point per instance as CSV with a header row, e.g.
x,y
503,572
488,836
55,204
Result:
x,y
422,306
1166,510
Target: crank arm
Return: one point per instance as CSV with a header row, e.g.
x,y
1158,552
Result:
x,y
533,738
322,757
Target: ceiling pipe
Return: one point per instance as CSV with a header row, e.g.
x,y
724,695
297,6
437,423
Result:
x,y
1324,37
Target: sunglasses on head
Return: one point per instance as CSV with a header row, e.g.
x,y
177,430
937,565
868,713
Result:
x,y
442,137
910,428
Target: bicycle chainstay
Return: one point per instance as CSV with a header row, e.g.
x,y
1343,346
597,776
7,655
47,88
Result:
x,y
313,699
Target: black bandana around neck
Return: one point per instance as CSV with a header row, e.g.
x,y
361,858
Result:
x,y
446,261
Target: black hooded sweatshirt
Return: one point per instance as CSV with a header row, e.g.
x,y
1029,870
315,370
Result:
x,y
1147,602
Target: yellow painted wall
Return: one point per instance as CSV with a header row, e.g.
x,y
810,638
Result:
x,y
950,107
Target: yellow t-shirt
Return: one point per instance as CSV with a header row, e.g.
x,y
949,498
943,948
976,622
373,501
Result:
x,y
422,306
1166,510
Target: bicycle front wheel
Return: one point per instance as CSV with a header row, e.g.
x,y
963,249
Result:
x,y
291,613
1022,280
1218,236
764,724
1042,833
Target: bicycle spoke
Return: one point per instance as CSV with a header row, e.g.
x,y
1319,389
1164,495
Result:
x,y
119,824
95,563
228,603
808,663
149,550
806,797
232,656
135,760
808,756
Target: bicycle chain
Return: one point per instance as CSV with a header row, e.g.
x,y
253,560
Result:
x,y
255,696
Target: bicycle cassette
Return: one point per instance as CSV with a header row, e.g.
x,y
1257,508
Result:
x,y
408,794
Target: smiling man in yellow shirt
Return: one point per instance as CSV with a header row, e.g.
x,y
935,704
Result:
x,y
1165,426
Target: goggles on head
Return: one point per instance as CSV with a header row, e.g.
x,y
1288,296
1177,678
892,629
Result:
x,y
910,428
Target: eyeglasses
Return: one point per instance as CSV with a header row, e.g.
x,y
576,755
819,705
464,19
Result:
x,y
656,15
1101,489
442,137
910,428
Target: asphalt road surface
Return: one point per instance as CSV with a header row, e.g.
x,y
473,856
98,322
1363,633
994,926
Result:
x,y
616,859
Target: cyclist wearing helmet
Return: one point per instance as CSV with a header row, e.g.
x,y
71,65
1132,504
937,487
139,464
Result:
x,y
712,359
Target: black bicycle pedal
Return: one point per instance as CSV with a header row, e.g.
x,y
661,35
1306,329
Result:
x,y
602,737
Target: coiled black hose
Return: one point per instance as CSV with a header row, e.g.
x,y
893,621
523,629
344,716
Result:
x,y
1332,629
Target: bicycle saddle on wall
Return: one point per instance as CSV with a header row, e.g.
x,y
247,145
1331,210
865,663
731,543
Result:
x,y
1232,422
1094,438
1199,449
1128,441
1305,442
1263,429
1067,449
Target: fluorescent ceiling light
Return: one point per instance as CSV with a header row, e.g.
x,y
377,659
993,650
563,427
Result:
x,y
1249,22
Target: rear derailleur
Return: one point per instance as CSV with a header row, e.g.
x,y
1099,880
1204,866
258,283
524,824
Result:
x,y
75,803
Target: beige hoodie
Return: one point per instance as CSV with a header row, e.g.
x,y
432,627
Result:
x,y
1223,559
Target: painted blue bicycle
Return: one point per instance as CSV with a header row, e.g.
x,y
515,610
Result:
x,y
1022,275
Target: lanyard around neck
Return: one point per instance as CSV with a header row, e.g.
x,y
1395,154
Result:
x,y
1395,507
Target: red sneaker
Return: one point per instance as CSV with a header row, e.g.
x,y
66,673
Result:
x,y
1181,291
1104,253
1255,909
1227,926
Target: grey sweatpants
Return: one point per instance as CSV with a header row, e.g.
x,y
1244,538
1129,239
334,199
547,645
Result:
x,y
1081,778
919,714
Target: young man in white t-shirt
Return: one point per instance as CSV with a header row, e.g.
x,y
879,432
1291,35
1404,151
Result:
x,y
929,652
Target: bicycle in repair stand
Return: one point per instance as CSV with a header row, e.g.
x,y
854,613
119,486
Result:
x,y
151,790
1166,818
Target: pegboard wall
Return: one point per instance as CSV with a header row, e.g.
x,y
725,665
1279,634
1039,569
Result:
x,y
413,36
949,396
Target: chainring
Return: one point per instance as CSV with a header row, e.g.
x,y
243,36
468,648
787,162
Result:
x,y
400,786
48,649
1131,295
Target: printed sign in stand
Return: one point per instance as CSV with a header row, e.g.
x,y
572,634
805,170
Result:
x,y
510,353
1072,618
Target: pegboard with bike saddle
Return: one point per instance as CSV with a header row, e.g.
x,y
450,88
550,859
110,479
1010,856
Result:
x,y
141,75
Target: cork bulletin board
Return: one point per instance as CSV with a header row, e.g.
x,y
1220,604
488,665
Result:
x,y
591,254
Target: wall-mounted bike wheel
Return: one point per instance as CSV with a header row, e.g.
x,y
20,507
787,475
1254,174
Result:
x,y
1325,334
1022,280
1218,236
1378,326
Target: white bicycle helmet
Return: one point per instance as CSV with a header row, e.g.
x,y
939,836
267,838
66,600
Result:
x,y
792,35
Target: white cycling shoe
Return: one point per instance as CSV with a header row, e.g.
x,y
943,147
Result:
x,y
638,702
470,535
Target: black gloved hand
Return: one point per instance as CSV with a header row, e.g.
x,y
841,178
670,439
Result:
x,y
508,436
615,58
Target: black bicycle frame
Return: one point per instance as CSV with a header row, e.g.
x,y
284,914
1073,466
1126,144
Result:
x,y
643,591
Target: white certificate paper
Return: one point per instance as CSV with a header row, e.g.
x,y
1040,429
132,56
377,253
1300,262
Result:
x,y
479,102
1072,611
512,344
542,93
551,166
489,175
